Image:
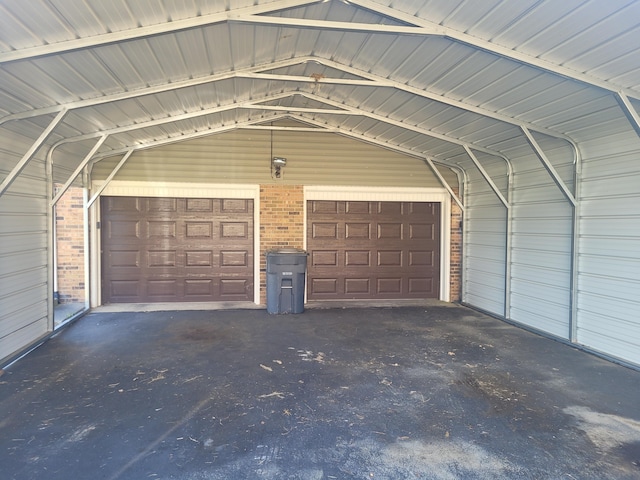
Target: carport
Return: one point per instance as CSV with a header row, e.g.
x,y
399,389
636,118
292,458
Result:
x,y
480,153
434,391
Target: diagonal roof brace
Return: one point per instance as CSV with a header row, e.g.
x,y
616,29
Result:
x,y
77,171
549,167
24,161
113,173
487,177
629,110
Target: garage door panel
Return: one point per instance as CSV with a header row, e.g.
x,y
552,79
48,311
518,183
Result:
x,y
390,231
182,250
421,258
354,208
124,288
125,258
389,286
420,285
198,258
389,208
324,258
121,204
123,230
202,288
357,258
161,229
163,289
162,204
391,258
199,205
421,231
358,286
323,206
373,250
235,258
199,229
234,205
357,231
161,258
323,286
324,230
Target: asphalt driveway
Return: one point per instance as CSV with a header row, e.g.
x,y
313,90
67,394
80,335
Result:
x,y
432,392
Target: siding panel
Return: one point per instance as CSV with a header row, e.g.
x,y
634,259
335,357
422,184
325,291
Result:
x,y
245,157
609,269
23,243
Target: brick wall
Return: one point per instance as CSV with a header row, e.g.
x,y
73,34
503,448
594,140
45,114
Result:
x,y
70,247
281,223
455,262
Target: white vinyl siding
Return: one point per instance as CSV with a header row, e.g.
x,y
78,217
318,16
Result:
x,y
244,156
23,250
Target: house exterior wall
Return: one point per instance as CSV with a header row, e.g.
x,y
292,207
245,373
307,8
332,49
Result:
x,y
281,223
244,156
70,247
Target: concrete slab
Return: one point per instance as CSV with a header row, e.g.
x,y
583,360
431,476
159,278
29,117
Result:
x,y
423,392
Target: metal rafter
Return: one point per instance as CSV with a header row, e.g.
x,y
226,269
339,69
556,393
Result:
x,y
487,177
77,171
397,123
141,92
491,47
341,109
147,31
24,161
188,136
629,110
372,80
549,167
113,173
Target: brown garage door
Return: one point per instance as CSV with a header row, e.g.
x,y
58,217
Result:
x,y
362,250
176,249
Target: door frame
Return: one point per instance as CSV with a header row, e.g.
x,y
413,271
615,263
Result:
x,y
395,194
169,190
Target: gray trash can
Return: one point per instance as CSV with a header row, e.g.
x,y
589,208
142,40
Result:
x,y
285,280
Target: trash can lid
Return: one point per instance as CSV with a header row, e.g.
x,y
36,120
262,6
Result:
x,y
286,251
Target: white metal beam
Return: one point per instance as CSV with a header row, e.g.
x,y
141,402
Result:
x,y
629,110
188,136
141,92
424,93
487,177
146,31
341,109
77,171
172,119
549,167
24,161
113,173
397,123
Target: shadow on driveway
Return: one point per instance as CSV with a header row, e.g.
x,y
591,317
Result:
x,y
436,392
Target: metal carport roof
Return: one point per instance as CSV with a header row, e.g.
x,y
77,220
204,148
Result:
x,y
465,84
